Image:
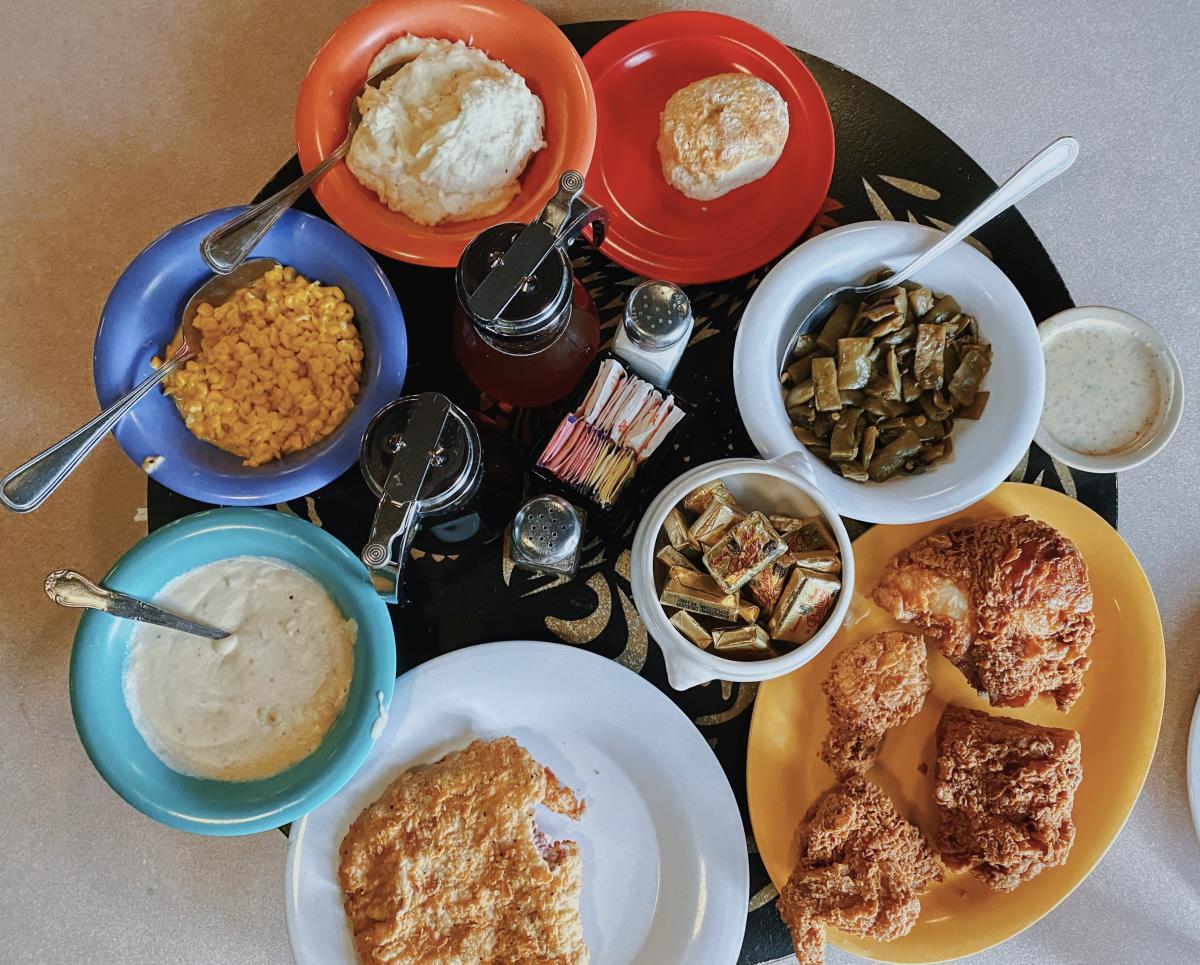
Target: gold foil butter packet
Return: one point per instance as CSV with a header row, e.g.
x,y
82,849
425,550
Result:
x,y
820,561
811,534
803,606
765,586
676,528
715,522
751,641
670,556
748,612
691,628
747,548
698,500
676,594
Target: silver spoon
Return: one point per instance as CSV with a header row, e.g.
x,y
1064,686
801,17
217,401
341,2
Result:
x,y
27,487
1049,164
68,588
226,247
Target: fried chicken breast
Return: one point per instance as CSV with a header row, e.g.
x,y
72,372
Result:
x,y
447,866
1005,790
860,867
875,685
1007,600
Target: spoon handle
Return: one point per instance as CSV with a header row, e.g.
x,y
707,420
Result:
x,y
228,245
68,588
27,487
1046,166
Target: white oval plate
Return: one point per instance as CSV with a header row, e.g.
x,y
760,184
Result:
x,y
665,869
1193,768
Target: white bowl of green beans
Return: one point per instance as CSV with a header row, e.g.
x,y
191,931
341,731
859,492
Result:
x,y
982,445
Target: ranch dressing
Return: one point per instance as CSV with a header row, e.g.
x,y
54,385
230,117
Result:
x,y
256,702
1103,389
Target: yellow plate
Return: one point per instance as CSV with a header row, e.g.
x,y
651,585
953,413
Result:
x,y
1117,718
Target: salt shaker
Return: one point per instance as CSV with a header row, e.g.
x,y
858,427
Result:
x,y
655,330
547,536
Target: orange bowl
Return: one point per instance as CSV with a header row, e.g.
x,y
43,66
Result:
x,y
506,30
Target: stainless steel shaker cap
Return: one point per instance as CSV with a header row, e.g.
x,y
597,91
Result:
x,y
546,530
657,315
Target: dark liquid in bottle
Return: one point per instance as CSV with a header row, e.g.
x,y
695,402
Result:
x,y
538,378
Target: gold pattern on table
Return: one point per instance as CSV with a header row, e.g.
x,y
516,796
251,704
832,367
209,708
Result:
x,y
587,629
745,697
913,189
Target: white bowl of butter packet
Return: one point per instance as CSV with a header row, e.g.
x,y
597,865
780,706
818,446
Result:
x,y
756,485
1114,390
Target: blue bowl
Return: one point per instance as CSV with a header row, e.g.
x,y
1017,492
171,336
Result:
x,y
101,647
143,312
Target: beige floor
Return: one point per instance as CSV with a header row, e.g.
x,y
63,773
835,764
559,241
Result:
x,y
171,108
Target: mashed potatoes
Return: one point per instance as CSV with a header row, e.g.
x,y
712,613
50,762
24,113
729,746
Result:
x,y
446,137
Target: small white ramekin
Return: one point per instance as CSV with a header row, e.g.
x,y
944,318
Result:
x,y
756,484
1169,373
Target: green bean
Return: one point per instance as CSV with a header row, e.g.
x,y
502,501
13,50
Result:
x,y
975,409
866,448
854,362
968,377
805,345
805,435
943,308
852,470
801,369
930,355
836,326
887,462
900,336
884,408
843,444
799,394
824,373
920,301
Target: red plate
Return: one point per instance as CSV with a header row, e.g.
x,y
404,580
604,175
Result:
x,y
653,229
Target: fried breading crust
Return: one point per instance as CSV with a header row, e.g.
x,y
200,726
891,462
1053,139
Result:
x,y
860,867
1007,600
448,866
1005,791
875,685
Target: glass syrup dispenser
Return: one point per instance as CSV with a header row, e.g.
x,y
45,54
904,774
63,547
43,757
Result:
x,y
445,484
525,330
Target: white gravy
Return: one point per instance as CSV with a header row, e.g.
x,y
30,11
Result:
x,y
260,700
1103,389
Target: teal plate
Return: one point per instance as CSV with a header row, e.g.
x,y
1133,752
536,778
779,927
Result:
x,y
102,643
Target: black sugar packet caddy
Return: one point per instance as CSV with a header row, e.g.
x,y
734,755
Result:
x,y
650,476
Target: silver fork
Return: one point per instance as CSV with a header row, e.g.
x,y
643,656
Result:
x,y
1047,165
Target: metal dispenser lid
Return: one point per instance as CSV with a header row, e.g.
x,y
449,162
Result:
x,y
421,456
453,465
657,314
514,279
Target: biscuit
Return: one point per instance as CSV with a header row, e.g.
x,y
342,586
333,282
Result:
x,y
720,133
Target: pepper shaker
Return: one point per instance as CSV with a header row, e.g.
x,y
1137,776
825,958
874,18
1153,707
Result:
x,y
547,536
655,330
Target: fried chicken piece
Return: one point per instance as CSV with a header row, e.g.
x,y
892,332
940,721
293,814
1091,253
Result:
x,y
1007,600
447,866
875,685
860,867
1005,790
